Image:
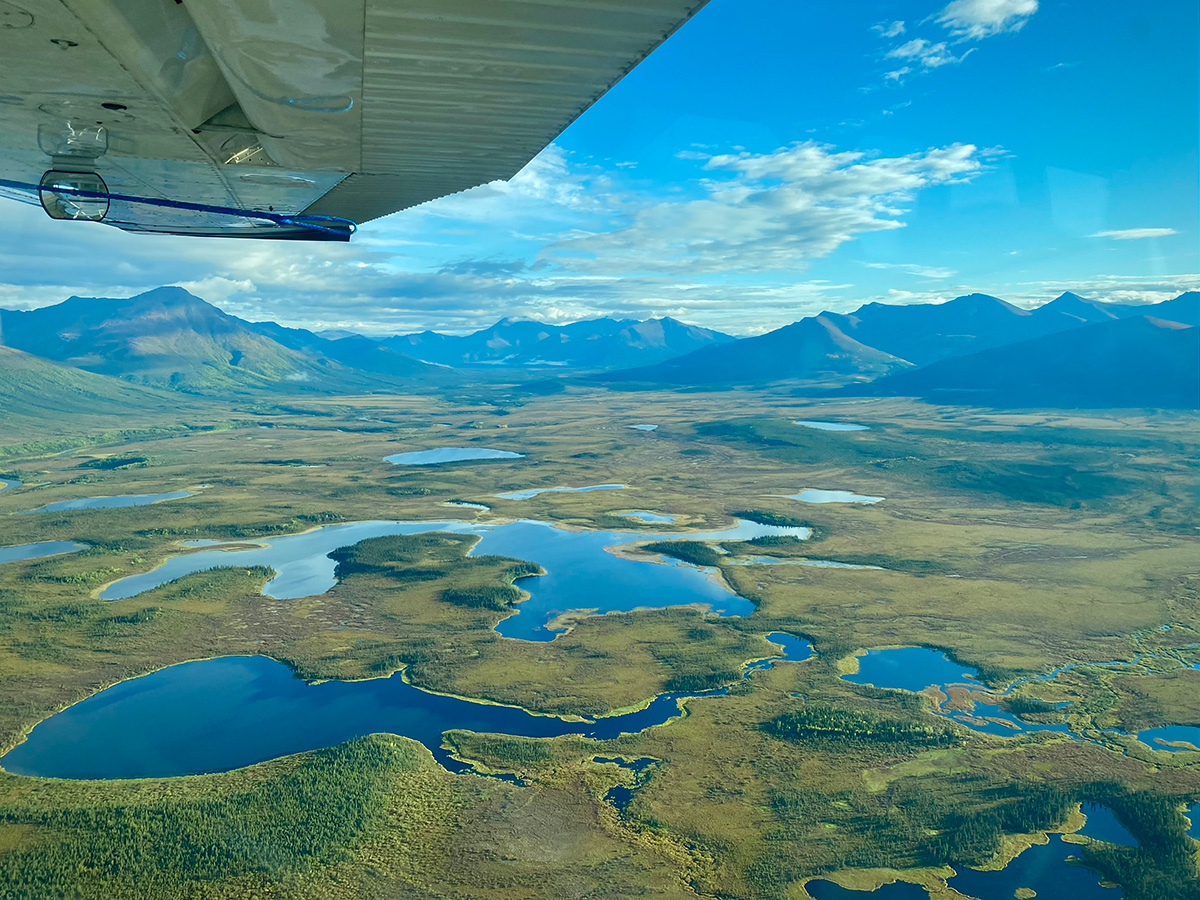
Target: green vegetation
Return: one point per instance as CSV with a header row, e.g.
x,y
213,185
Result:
x,y
1062,550
697,553
174,847
832,725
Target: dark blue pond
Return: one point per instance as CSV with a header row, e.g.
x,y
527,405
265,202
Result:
x,y
1158,738
1102,825
38,550
911,669
109,502
220,714
1193,817
1044,868
621,795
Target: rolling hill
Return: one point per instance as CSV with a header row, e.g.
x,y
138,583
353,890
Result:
x,y
1136,361
40,389
811,349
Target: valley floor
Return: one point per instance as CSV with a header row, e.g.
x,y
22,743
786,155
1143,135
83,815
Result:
x,y
1017,543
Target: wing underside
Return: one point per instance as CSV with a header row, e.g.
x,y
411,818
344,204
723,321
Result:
x,y
266,119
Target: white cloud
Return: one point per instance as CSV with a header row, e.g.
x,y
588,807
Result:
x,y
889,29
769,212
1134,234
930,55
915,269
977,19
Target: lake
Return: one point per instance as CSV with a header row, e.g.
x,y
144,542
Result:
x,y
1102,825
1043,868
219,714
812,495
581,575
830,426
214,715
110,502
533,492
448,455
916,668
1161,738
38,550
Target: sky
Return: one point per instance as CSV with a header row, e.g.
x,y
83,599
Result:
x,y
770,161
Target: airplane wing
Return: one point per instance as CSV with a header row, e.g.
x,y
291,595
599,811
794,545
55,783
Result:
x,y
295,118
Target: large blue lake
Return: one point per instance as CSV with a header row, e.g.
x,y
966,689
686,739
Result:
x,y
218,714
1044,868
581,572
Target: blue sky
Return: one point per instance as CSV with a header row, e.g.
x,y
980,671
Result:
x,y
769,161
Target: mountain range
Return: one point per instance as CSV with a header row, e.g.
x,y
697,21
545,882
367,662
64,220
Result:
x,y
171,338
590,344
976,348
881,340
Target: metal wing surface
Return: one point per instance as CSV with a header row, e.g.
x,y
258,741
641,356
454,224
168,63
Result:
x,y
295,118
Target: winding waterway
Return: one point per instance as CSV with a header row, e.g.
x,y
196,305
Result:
x,y
581,575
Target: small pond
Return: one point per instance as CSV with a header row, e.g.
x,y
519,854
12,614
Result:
x,y
219,714
812,495
1172,737
6,483
110,502
467,504
650,518
580,572
1193,818
645,427
533,492
38,550
831,426
447,455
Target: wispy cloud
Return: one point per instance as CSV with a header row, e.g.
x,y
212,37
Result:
x,y
915,269
977,19
966,20
929,54
889,29
1134,234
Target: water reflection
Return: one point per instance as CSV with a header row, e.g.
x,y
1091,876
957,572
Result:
x,y
448,454
38,550
110,502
